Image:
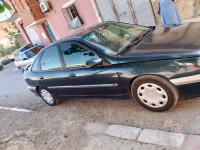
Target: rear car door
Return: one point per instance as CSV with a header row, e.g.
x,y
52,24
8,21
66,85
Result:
x,y
100,80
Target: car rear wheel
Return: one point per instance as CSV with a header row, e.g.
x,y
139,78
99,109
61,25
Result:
x,y
154,93
48,97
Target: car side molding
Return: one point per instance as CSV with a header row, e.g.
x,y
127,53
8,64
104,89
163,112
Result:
x,y
83,86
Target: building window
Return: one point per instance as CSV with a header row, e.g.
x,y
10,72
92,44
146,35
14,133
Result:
x,y
72,12
72,16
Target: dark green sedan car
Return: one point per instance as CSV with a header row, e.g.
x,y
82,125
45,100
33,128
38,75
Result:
x,y
153,67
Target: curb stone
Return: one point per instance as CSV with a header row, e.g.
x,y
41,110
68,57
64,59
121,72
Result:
x,y
123,132
147,136
168,139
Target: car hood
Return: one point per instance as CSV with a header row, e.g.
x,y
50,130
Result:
x,y
179,42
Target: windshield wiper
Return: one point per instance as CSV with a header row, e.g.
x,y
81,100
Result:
x,y
137,41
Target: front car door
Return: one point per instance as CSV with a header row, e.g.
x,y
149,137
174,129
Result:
x,y
101,80
51,72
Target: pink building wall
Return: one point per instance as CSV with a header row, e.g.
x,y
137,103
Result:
x,y
59,25
42,34
23,33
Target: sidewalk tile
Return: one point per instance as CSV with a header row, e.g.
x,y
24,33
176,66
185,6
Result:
x,y
124,132
192,142
162,138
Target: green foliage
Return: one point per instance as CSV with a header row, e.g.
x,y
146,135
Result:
x,y
6,51
1,67
109,123
2,50
4,5
14,33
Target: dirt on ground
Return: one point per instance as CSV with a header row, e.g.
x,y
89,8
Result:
x,y
63,127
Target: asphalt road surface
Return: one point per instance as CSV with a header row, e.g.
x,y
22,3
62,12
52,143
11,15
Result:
x,y
38,125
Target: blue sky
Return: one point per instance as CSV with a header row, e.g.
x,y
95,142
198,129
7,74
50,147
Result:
x,y
5,15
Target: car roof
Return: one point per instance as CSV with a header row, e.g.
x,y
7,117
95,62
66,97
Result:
x,y
29,49
22,48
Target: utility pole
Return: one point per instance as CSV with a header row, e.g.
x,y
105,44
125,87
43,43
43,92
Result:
x,y
197,8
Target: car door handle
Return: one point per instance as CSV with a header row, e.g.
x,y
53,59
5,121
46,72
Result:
x,y
41,77
72,75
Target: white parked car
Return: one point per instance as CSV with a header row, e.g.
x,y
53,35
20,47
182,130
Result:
x,y
27,57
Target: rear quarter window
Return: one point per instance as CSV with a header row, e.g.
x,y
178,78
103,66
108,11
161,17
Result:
x,y
35,65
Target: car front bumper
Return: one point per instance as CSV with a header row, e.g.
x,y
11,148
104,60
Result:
x,y
33,89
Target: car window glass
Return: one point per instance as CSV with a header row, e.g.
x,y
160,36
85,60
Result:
x,y
116,36
35,64
50,60
33,52
23,55
28,46
29,54
19,57
76,56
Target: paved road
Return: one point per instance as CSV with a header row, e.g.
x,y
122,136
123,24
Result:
x,y
49,126
13,89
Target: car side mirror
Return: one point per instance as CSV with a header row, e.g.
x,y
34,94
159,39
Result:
x,y
25,58
94,62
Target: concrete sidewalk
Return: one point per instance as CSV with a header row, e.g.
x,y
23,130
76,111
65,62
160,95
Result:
x,y
196,19
125,138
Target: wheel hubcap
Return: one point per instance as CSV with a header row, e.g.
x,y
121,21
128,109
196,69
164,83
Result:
x,y
47,96
152,95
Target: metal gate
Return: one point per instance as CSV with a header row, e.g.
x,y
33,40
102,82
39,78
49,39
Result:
x,y
143,12
107,11
50,32
129,11
33,36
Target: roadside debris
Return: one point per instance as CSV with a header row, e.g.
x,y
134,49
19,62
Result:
x,y
72,122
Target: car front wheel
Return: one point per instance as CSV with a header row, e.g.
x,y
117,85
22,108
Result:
x,y
48,97
154,93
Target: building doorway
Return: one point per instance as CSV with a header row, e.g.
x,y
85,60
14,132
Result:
x,y
49,32
33,36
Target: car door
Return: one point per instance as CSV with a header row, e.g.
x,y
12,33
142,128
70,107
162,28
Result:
x,y
51,72
19,60
100,80
24,62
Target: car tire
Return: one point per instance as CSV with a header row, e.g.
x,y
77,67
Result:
x,y
48,97
154,93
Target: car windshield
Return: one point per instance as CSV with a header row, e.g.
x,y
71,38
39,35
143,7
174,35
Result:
x,y
114,37
32,52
